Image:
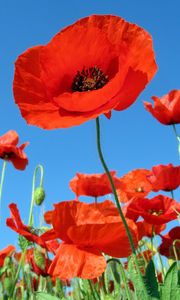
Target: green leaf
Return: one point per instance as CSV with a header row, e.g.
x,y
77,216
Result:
x,y
151,281
171,288
45,296
137,282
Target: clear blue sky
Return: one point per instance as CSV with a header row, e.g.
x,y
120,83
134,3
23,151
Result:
x,y
131,139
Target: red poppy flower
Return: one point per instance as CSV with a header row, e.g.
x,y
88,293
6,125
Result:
x,y
89,68
87,230
10,152
166,178
6,252
94,185
167,108
134,184
148,230
158,210
16,224
166,247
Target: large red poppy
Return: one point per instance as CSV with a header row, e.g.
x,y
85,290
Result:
x,y
164,177
166,247
87,230
94,185
91,67
167,108
11,152
158,210
134,184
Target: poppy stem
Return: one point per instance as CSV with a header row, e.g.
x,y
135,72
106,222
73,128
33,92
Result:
x,y
123,276
172,194
118,205
17,273
2,182
177,137
113,186
41,170
175,253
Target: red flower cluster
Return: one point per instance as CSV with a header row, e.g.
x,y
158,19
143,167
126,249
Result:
x,y
10,152
89,68
86,231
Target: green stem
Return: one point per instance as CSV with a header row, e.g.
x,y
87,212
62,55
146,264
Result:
x,y
17,273
123,276
117,203
113,186
41,170
2,182
175,253
94,294
172,194
177,137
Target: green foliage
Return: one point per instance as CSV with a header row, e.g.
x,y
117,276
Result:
x,y
45,296
151,281
171,288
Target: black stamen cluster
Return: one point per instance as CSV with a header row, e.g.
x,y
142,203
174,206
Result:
x,y
89,79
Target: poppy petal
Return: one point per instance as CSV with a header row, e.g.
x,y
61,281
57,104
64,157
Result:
x,y
70,261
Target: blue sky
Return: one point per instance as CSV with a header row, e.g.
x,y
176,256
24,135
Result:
x,y
131,139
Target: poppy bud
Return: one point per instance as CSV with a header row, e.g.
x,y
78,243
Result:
x,y
39,195
39,259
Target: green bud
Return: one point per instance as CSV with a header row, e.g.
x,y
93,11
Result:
x,y
39,195
39,259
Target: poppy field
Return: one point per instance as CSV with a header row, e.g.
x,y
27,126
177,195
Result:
x,y
119,236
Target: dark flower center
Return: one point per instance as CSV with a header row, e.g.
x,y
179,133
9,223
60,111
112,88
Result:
x,y
155,212
139,189
89,79
6,155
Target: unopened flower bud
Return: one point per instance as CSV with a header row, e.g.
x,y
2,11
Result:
x,y
39,195
39,259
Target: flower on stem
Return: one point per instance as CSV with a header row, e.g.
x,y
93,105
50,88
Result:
x,y
164,177
94,185
6,252
166,109
9,150
134,184
87,231
159,210
89,68
168,241
17,225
